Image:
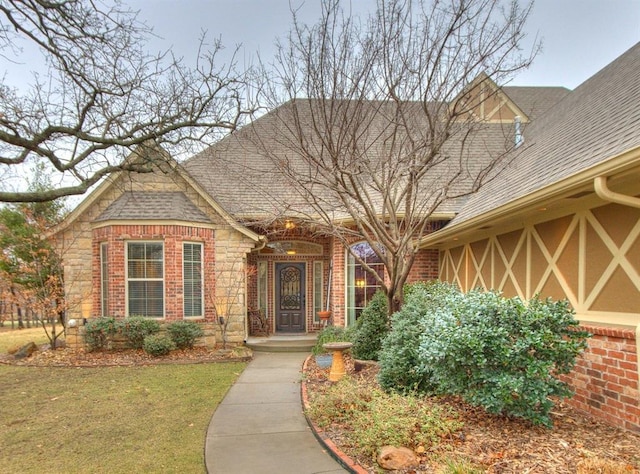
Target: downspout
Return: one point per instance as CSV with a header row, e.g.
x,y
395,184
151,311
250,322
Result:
x,y
604,193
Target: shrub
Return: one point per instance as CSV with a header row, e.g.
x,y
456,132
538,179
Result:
x,y
502,354
400,368
98,331
184,333
377,418
331,334
372,326
158,344
136,328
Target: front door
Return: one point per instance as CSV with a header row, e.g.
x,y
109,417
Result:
x,y
290,301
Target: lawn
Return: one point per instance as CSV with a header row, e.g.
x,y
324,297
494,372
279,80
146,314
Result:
x,y
109,419
19,337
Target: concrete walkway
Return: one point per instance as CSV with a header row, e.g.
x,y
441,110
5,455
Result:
x,y
259,427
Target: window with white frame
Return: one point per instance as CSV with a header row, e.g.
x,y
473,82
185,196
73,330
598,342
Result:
x,y
145,279
318,272
192,279
361,284
262,287
104,279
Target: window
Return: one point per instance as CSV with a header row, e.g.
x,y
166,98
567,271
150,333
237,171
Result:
x,y
262,287
361,284
145,279
317,289
192,279
104,279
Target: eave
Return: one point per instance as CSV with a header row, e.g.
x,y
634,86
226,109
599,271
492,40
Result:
x,y
557,199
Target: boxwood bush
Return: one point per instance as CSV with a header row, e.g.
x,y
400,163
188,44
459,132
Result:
x,y
158,344
371,328
400,368
503,354
331,334
184,333
136,328
98,331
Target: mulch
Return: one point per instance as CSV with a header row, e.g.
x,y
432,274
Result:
x,y
577,443
66,357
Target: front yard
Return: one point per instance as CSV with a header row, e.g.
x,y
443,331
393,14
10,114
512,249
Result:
x,y
109,419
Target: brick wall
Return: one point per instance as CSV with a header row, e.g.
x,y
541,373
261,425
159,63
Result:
x,y
297,234
426,266
173,236
605,378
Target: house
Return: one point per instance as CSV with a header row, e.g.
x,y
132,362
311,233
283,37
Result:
x,y
563,221
209,240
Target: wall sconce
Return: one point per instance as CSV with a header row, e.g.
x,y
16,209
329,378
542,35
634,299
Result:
x,y
360,283
288,224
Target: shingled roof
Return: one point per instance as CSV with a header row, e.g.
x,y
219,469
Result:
x,y
597,121
535,101
247,184
143,205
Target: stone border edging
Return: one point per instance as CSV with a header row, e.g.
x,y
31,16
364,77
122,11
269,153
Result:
x,y
320,435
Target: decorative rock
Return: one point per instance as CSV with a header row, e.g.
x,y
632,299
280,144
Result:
x,y
324,360
391,458
26,351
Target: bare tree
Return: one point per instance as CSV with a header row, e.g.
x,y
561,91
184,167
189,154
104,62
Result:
x,y
226,295
380,126
102,95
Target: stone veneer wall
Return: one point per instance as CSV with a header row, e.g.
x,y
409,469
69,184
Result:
x,y
231,252
76,245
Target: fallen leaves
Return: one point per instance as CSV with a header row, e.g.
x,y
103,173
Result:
x,y
67,357
576,444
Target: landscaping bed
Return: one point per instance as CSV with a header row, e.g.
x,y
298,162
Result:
x,y
66,357
577,443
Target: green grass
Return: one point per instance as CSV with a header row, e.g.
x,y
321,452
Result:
x,y
19,337
109,419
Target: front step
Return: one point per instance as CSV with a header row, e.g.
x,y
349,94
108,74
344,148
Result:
x,y
282,343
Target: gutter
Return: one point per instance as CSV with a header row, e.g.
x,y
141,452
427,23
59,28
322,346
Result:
x,y
619,163
604,193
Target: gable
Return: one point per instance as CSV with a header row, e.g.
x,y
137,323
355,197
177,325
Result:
x,y
154,205
484,101
166,193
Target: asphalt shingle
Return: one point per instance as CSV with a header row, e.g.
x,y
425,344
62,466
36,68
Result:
x,y
145,205
246,182
597,121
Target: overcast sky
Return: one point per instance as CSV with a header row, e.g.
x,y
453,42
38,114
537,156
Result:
x,y
579,36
